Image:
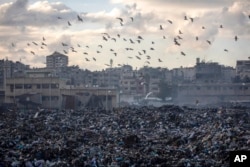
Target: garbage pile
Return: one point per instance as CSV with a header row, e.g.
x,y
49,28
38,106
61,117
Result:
x,y
123,137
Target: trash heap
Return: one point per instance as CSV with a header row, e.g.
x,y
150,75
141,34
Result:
x,y
126,137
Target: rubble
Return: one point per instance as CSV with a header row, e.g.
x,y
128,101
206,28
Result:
x,y
146,136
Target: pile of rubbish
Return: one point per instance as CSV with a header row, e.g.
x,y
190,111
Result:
x,y
123,137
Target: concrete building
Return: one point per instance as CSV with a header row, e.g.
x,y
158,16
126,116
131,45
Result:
x,y
243,68
41,88
56,60
212,93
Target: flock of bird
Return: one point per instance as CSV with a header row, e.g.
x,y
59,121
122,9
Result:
x,y
133,43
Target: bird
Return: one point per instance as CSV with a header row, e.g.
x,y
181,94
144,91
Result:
x,y
35,43
12,44
100,46
59,17
170,21
179,37
147,62
65,51
235,38
69,23
32,52
176,43
192,19
225,50
138,57
79,45
209,42
144,51
44,39
131,41
79,18
86,59
185,17
119,18
203,27
182,53
132,19
180,32
113,39
64,44
139,37
94,59
221,26
104,38
115,54
159,60
130,57
111,50
161,28
152,49
44,44
85,53
148,57
197,38
118,35
107,34
98,52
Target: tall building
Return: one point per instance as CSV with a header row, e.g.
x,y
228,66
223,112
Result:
x,y
56,60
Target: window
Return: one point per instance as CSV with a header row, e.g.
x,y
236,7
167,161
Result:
x,y
45,86
54,86
27,86
38,86
18,86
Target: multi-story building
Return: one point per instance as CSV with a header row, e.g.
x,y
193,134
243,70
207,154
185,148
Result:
x,y
243,68
56,60
44,90
212,93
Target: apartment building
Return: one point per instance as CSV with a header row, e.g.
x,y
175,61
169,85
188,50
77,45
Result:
x,y
243,68
56,60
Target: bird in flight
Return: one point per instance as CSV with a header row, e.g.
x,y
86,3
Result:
x,y
79,18
161,28
235,38
119,18
182,53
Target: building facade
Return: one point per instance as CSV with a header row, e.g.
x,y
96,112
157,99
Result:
x,y
56,60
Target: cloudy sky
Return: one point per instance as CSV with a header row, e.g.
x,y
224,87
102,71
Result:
x,y
158,33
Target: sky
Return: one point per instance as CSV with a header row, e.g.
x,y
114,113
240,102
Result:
x,y
156,33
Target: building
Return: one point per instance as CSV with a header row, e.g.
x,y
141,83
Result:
x,y
243,69
212,93
41,88
56,60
